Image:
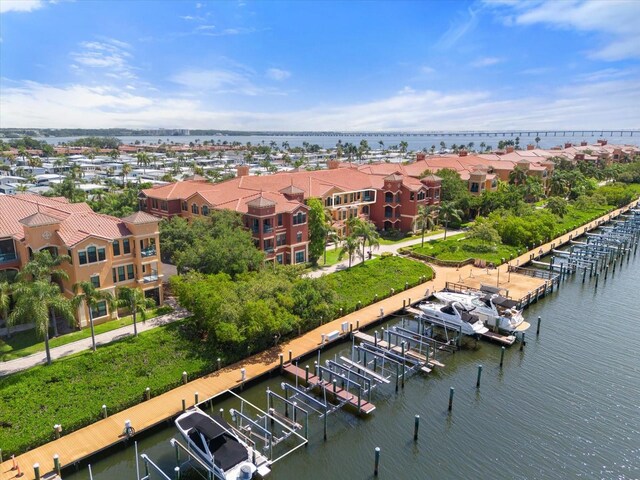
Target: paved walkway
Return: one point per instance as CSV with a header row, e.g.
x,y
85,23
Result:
x,y
40,358
393,248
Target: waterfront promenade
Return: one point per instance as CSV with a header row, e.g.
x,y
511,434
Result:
x,y
80,444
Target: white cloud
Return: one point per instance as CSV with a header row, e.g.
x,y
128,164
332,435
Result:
x,y
580,105
458,29
110,54
206,27
278,74
20,5
616,20
486,62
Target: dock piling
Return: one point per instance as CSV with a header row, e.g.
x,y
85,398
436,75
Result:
x,y
56,464
219,363
184,405
538,327
104,411
479,375
451,392
176,473
184,377
377,461
522,343
196,398
147,393
416,426
36,471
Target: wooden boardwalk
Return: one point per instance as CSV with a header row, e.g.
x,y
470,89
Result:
x,y
98,436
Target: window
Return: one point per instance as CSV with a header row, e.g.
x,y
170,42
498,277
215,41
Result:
x,y
398,198
185,207
92,255
95,281
279,219
100,310
116,248
338,200
267,245
154,203
121,277
281,239
412,196
130,272
421,195
279,259
365,209
126,248
70,256
164,206
299,237
205,210
388,197
299,218
328,202
82,257
102,254
300,256
114,275
195,209
475,187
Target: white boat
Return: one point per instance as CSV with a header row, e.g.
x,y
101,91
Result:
x,y
491,308
214,442
453,315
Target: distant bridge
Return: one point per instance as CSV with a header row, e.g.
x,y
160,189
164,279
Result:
x,y
472,133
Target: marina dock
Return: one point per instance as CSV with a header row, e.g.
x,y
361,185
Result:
x,y
77,446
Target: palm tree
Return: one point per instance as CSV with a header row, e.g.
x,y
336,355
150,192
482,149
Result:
x,y
426,218
136,301
91,296
126,170
37,301
448,212
404,146
350,245
517,176
44,266
144,160
5,302
365,231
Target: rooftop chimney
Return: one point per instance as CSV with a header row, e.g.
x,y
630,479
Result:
x,y
531,146
462,153
510,148
333,164
242,170
568,145
583,143
420,156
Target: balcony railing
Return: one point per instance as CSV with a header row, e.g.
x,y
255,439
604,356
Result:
x,y
152,277
267,229
148,252
8,257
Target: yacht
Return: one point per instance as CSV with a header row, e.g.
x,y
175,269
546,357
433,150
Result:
x,y
214,442
491,308
453,315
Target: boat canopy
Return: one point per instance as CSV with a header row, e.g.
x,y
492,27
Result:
x,y
227,451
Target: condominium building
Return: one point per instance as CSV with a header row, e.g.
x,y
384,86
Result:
x,y
274,210
108,252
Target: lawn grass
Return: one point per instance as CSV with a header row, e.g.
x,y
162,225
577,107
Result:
x,y
401,239
26,343
72,390
363,281
332,258
459,249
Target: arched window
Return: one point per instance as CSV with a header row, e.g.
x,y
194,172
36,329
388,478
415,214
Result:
x,y
388,197
195,209
205,210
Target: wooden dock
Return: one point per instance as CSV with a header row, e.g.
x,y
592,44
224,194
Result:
x,y
81,444
507,340
340,394
411,354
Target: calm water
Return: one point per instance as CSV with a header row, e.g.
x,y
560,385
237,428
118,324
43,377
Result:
x,y
566,407
415,143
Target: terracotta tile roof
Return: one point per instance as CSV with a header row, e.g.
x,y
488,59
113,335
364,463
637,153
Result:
x,y
39,219
76,220
140,218
261,202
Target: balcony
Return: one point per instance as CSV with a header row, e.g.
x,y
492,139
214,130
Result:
x,y
148,252
8,257
267,229
152,277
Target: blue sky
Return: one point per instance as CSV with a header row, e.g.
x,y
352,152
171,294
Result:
x,y
323,65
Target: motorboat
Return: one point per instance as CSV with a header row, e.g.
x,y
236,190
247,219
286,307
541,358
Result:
x,y
491,308
219,447
453,315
